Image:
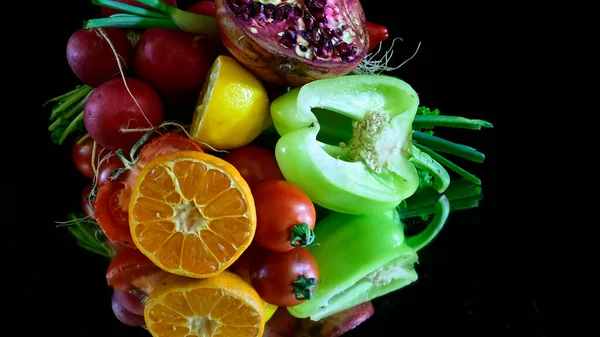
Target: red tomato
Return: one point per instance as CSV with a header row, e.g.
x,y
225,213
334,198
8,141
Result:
x,y
377,33
112,212
82,156
284,215
107,167
131,270
284,279
87,205
165,144
112,199
241,266
255,164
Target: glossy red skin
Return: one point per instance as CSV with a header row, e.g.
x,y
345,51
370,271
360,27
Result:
x,y
130,270
106,12
112,199
92,60
130,302
123,315
87,206
241,266
255,164
280,205
165,144
110,109
273,274
204,7
175,63
112,213
82,156
107,167
377,33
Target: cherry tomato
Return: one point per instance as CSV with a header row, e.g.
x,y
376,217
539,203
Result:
x,y
284,279
284,214
87,205
130,270
377,33
255,164
241,266
107,167
165,144
82,156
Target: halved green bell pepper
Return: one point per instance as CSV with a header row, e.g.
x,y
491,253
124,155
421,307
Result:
x,y
362,257
347,142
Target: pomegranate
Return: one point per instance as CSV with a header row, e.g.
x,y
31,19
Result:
x,y
293,42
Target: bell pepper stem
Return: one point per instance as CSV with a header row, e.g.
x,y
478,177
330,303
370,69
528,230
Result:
x,y
423,161
422,239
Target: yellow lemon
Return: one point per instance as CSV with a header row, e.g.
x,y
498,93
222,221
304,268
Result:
x,y
233,107
269,310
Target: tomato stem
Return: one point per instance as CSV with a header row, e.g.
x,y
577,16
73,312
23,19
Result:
x,y
303,287
303,236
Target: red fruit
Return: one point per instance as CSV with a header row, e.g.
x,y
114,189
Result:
x,y
175,63
110,113
297,42
92,59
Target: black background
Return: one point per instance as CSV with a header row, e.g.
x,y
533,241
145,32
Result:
x,y
470,280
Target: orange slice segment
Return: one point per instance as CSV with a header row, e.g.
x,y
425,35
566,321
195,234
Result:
x,y
220,306
191,213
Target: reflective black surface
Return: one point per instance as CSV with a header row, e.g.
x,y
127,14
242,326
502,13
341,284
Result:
x,y
470,282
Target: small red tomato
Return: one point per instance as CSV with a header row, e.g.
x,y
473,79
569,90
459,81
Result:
x,y
131,270
284,279
377,34
112,212
255,164
107,167
285,216
82,156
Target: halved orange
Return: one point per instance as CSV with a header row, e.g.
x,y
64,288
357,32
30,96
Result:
x,y
220,306
191,213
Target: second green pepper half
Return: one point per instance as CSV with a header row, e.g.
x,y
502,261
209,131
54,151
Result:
x,y
362,257
347,141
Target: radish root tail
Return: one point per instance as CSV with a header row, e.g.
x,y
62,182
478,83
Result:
x,y
374,65
102,33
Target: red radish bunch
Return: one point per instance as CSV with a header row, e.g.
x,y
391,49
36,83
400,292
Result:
x,y
91,57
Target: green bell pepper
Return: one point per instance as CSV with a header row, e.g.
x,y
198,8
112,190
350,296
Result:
x,y
362,257
347,142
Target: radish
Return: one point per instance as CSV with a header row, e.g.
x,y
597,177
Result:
x,y
174,63
107,11
115,120
203,7
92,59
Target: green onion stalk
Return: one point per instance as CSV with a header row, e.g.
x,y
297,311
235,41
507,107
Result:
x,y
67,113
161,15
363,257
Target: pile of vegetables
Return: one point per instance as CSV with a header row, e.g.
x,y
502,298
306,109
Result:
x,y
334,156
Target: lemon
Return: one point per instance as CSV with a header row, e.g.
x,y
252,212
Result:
x,y
269,310
233,107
